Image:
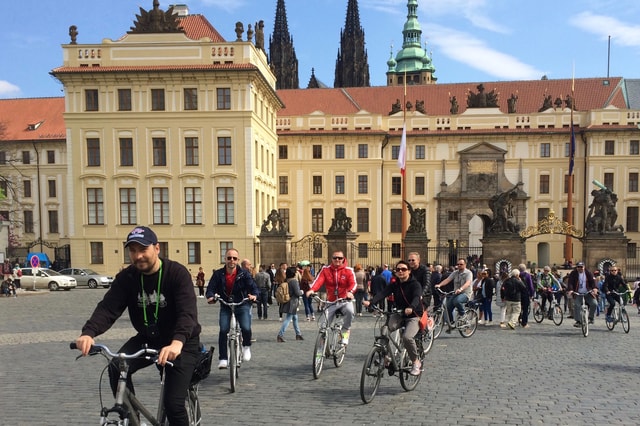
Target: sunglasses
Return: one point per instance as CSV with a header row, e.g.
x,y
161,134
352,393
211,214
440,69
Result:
x,y
460,264
232,258
402,269
337,258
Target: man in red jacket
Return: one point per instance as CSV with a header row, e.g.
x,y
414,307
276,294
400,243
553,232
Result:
x,y
340,283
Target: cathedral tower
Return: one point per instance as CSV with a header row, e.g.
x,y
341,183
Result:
x,y
352,67
283,61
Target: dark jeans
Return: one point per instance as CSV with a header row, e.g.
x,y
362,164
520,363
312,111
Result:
x,y
359,298
263,303
177,378
612,299
524,314
308,306
243,316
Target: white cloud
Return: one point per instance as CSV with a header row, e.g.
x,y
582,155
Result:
x,y
621,33
8,90
473,52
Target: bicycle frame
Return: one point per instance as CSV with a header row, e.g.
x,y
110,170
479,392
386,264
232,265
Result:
x,y
619,313
328,339
234,342
466,324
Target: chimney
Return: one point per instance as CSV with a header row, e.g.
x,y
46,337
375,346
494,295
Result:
x,y
180,9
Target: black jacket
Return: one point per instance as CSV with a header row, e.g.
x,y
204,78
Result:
x,y
512,289
405,295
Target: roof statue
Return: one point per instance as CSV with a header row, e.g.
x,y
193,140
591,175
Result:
x,y
512,104
482,99
156,21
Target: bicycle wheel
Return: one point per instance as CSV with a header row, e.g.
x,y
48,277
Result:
x,y
469,323
427,341
438,321
193,407
407,381
233,363
339,350
538,313
318,354
557,315
585,323
624,319
372,372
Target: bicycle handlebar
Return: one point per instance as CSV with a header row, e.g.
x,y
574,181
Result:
x,y
342,299
103,349
621,294
230,304
446,293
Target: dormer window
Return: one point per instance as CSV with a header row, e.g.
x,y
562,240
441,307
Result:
x,y
34,126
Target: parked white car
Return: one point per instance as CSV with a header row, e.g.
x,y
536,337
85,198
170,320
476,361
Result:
x,y
46,278
88,277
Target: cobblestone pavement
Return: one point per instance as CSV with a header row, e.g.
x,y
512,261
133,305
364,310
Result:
x,y
542,375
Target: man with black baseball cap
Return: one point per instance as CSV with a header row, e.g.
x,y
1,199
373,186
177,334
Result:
x,y
159,295
583,284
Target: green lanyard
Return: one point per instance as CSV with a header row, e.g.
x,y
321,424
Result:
x,y
144,305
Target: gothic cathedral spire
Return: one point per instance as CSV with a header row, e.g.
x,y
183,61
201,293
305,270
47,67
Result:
x,y
283,59
352,67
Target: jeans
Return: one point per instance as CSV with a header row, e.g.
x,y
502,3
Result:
x,y
243,316
286,322
486,309
359,298
612,299
577,305
525,302
458,303
263,303
177,379
308,307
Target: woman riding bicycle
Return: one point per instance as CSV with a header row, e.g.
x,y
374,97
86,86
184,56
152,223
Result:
x,y
407,294
612,283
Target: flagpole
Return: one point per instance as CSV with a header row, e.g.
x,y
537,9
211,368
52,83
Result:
x,y
403,153
568,246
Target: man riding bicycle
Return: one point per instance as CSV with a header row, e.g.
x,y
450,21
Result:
x,y
547,283
407,293
612,283
583,284
340,283
461,279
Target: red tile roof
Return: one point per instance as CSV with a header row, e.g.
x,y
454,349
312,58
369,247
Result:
x,y
44,115
197,26
590,93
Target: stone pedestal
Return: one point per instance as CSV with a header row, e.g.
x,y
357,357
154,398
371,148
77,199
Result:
x,y
506,251
339,241
606,248
274,248
416,243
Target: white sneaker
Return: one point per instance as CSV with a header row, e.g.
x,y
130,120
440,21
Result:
x,y
415,368
222,364
246,353
480,322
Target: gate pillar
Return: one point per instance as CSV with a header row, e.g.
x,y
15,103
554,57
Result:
x,y
503,247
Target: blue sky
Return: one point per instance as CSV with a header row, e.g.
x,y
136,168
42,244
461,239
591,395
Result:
x,y
469,40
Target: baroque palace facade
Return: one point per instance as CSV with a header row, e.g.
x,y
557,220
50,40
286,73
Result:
x,y
174,127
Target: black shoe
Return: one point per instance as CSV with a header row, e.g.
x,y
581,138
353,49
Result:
x,y
280,339
577,324
590,320
299,337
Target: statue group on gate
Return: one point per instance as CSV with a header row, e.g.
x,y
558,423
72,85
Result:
x,y
602,214
273,224
418,220
341,223
503,212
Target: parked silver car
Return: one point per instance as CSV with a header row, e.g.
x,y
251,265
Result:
x,y
46,278
88,277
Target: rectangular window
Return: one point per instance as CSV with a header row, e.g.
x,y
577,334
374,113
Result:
x,y
396,250
566,184
419,190
362,219
26,188
631,250
363,184
163,249
363,150
396,185
93,152
126,152
339,184
395,151
542,213
128,207
160,206
26,157
317,220
224,151
190,99
634,147
193,205
51,157
567,149
420,152
124,99
224,98
51,187
283,152
193,253
53,222
317,184
564,214
157,99
97,252
396,220
159,151
544,184
317,152
633,182
3,157
453,216
363,250
28,221
285,217
609,147
283,185
545,150
340,151
226,212
608,180
4,215
191,152
632,219
91,99
95,206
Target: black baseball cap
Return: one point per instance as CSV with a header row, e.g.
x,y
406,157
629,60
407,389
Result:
x,y
143,236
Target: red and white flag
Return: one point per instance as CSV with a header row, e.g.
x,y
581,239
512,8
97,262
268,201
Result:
x,y
402,154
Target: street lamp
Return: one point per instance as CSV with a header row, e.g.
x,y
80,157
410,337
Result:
x,y
39,194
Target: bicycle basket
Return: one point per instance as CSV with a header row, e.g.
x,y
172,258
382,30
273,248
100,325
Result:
x,y
203,366
377,328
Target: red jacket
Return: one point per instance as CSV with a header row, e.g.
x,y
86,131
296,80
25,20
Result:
x,y
338,281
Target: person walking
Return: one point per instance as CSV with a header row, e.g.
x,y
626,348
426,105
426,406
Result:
x,y
290,308
200,282
511,292
361,278
305,285
263,281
